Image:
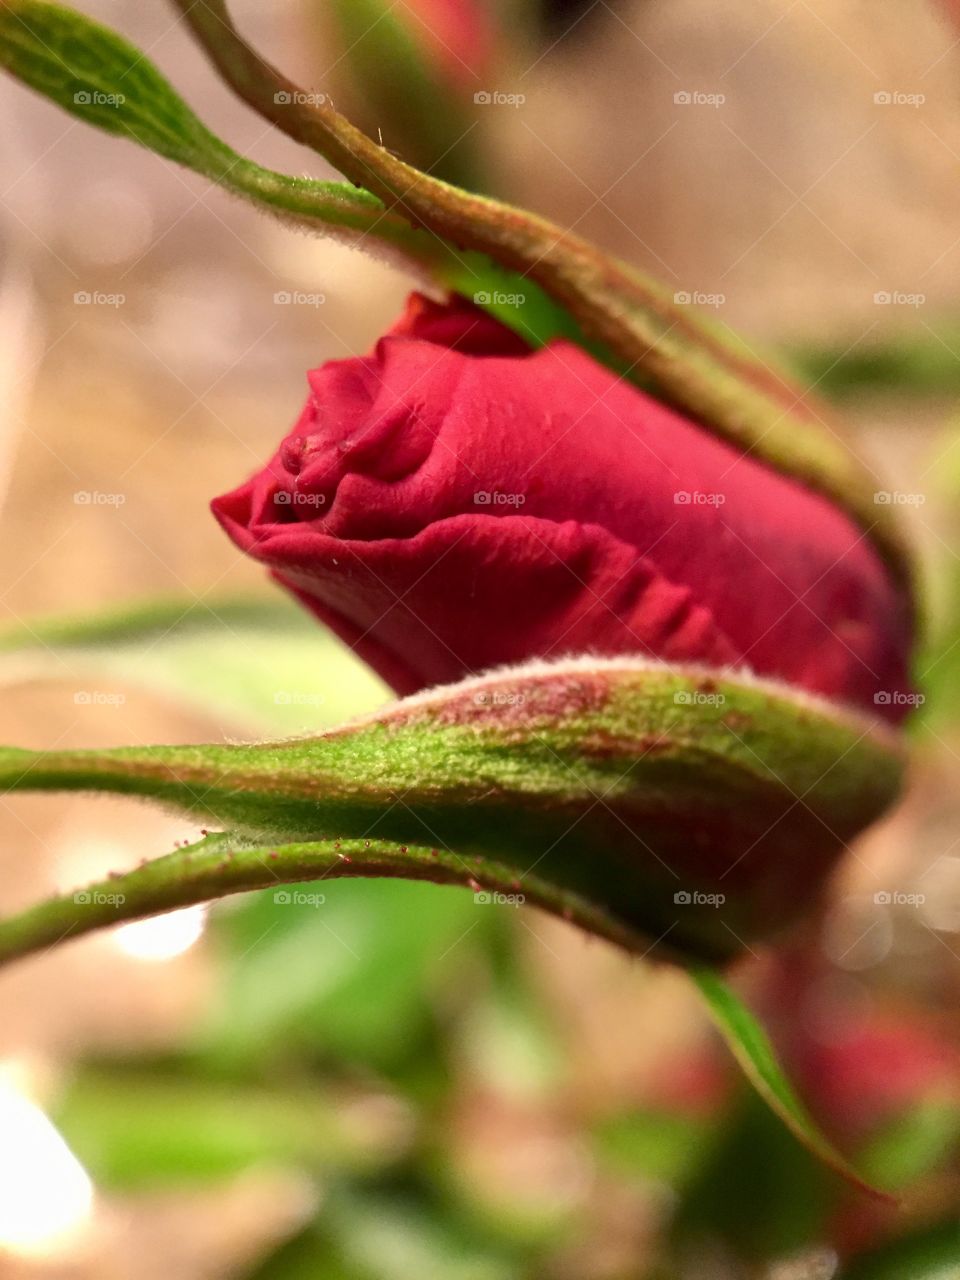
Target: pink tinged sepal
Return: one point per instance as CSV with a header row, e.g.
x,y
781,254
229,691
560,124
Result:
x,y
699,810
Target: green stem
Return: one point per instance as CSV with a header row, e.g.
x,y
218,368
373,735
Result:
x,y
221,864
710,376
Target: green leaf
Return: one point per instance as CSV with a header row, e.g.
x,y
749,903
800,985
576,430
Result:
x,y
752,1048
102,79
99,77
700,811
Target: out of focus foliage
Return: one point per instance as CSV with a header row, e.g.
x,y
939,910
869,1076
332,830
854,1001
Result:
x,y
392,1045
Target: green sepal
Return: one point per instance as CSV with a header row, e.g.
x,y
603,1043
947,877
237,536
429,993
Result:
x,y
699,810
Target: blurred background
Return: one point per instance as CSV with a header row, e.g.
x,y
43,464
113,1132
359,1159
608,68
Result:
x,y
400,1083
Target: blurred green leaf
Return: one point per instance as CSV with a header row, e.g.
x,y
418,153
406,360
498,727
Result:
x,y
919,1140
262,662
752,1048
932,1254
396,1235
137,1126
758,1192
362,977
398,85
921,360
659,1145
153,618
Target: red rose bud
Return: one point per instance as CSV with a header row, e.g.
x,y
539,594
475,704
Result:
x,y
456,501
